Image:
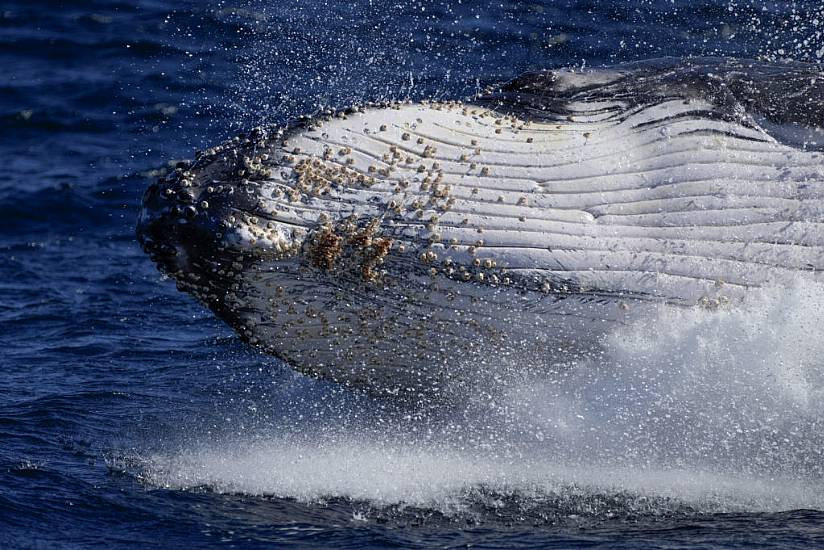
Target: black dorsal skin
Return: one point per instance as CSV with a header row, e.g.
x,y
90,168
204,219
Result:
x,y
783,94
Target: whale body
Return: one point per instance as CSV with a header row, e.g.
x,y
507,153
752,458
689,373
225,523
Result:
x,y
399,245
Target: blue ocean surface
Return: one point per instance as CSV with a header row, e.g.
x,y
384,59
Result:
x,y
130,417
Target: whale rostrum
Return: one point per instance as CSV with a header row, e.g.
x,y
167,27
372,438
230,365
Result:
x,y
398,246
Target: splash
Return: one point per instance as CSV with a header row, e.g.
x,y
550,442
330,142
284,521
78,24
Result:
x,y
738,389
690,409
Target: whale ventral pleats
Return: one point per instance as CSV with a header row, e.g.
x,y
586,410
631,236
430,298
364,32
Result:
x,y
399,246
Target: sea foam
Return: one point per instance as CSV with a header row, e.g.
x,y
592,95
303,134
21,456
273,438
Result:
x,y
715,410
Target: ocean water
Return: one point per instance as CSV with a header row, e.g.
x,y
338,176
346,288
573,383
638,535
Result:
x,y
129,417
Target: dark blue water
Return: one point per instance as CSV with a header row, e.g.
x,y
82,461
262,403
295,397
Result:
x,y
129,417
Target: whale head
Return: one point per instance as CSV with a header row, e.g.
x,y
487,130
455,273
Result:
x,y
401,245
322,243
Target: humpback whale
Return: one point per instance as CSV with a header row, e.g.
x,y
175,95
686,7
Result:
x,y
399,245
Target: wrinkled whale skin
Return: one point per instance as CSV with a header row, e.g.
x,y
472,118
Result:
x,y
399,246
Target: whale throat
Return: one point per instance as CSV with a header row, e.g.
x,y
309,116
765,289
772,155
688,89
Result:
x,y
409,246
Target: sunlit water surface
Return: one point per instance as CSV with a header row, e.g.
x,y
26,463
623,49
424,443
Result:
x,y
128,415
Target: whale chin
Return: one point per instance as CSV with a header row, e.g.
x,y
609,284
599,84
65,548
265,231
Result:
x,y
410,247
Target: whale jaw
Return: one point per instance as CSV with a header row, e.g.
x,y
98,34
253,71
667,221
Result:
x,y
413,247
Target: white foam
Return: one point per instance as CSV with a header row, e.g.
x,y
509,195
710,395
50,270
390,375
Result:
x,y
441,479
718,410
